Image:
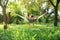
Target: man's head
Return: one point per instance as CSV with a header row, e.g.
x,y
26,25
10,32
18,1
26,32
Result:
x,y
32,16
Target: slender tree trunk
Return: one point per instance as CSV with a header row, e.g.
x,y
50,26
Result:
x,y
56,11
4,17
56,16
47,19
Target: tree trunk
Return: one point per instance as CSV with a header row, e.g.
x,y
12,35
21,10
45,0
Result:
x,y
8,18
4,17
56,17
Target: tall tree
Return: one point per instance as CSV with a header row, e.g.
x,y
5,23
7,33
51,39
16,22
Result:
x,y
56,10
3,4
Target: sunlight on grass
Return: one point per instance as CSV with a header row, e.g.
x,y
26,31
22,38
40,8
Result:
x,y
28,26
1,26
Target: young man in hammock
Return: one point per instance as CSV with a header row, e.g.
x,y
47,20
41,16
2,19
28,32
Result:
x,y
31,19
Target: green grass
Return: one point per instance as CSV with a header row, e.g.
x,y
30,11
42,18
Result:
x,y
30,32
31,26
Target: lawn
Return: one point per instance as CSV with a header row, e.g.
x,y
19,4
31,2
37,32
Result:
x,y
30,32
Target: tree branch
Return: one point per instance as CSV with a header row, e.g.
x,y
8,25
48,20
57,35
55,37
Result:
x,y
52,3
57,3
0,3
6,2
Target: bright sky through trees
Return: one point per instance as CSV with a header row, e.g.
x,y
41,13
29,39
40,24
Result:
x,y
43,6
0,10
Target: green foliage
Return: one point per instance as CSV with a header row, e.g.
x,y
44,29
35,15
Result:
x,y
59,7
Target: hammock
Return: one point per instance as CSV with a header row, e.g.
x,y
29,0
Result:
x,y
23,17
31,19
41,15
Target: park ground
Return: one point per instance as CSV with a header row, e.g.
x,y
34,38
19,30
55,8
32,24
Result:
x,y
30,32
